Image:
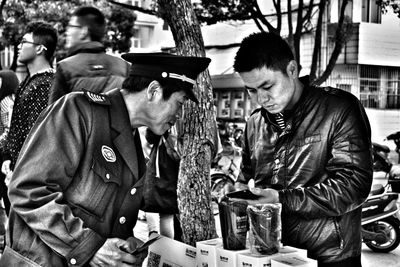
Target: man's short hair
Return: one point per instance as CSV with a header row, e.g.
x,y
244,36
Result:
x,y
45,34
93,19
263,49
138,83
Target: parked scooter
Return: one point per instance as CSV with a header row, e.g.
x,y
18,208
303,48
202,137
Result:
x,y
380,213
225,168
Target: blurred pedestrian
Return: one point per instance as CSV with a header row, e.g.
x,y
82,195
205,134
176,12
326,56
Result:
x,y
87,66
78,184
308,148
36,51
8,85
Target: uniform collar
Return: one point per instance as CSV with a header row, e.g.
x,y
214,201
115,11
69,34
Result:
x,y
126,140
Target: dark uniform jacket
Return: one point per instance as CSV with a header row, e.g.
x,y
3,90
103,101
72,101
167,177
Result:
x,y
322,163
76,183
88,67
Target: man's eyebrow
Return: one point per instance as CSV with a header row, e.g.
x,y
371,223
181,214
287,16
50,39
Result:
x,y
261,85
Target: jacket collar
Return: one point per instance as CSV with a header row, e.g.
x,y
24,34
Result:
x,y
88,47
126,140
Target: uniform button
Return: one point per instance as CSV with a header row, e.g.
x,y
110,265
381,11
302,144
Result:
x,y
133,191
277,161
72,261
122,220
289,127
108,176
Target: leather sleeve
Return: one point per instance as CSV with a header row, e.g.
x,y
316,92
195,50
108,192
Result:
x,y
49,160
246,173
349,170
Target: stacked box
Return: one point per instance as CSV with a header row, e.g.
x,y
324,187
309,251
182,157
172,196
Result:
x,y
206,252
229,258
248,259
168,252
293,260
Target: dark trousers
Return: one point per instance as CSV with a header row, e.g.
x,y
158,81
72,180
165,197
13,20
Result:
x,y
349,262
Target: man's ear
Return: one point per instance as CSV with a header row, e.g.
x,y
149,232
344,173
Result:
x,y
292,69
84,34
154,91
40,49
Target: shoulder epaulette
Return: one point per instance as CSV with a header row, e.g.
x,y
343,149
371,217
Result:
x,y
97,98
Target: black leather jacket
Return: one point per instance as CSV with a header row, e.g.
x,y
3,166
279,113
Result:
x,y
321,163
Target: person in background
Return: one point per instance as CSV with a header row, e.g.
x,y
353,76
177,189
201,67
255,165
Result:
x,y
36,51
307,148
8,85
78,183
87,66
162,173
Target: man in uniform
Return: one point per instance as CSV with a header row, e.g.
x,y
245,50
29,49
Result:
x,y
77,185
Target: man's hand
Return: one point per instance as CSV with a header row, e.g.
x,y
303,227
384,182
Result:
x,y
5,167
267,195
116,252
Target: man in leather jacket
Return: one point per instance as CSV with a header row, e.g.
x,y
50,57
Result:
x,y
308,148
77,185
87,65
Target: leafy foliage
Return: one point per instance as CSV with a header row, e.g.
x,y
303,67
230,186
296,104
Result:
x,y
390,4
211,11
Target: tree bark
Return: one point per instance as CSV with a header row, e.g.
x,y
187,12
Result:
x,y
194,192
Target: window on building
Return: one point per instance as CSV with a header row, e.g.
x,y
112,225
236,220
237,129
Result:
x,y
371,12
136,40
137,3
345,87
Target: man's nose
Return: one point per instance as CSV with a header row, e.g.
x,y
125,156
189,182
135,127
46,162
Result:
x,y
262,97
179,113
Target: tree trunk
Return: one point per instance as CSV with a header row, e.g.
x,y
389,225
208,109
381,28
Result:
x,y
194,193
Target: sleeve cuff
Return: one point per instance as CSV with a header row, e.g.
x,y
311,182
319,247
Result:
x,y
80,255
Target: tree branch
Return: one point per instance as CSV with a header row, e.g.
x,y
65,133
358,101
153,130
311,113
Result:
x,y
342,32
317,42
134,8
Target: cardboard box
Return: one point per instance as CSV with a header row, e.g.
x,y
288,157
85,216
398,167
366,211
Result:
x,y
169,252
248,259
229,258
206,252
293,260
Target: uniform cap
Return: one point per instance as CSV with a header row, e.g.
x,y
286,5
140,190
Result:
x,y
159,66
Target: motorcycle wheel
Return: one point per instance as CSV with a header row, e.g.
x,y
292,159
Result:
x,y
388,226
218,181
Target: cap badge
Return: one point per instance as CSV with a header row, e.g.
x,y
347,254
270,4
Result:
x,y
183,78
108,153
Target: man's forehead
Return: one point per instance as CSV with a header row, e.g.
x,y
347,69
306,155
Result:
x,y
73,19
28,36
